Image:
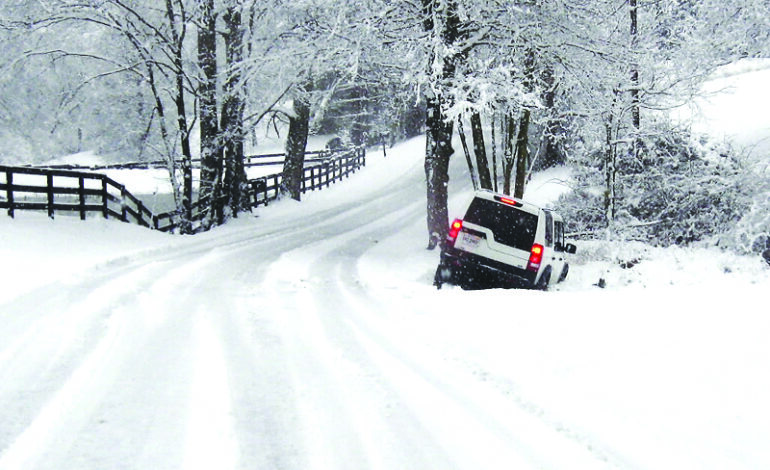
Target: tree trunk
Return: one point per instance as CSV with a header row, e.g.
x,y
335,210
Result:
x,y
439,127
210,149
480,150
552,155
232,114
610,171
186,166
161,110
521,151
461,132
185,225
509,158
494,151
438,151
296,142
635,112
359,126
522,155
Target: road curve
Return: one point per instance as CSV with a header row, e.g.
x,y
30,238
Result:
x,y
256,348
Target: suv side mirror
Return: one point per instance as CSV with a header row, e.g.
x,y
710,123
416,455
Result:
x,y
570,248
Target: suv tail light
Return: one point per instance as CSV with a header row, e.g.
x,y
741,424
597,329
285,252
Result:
x,y
455,228
535,257
508,200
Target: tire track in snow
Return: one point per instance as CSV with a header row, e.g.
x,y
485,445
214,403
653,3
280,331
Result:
x,y
333,355
438,395
51,373
529,429
335,392
423,403
210,441
128,381
145,338
44,350
64,376
300,370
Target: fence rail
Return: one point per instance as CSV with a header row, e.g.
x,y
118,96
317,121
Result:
x,y
268,159
55,190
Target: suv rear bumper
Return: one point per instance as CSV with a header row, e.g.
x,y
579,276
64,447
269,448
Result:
x,y
467,267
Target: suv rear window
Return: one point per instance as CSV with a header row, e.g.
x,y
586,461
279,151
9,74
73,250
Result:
x,y
510,226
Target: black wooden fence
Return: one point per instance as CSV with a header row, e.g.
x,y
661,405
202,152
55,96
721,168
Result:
x,y
37,189
55,190
318,174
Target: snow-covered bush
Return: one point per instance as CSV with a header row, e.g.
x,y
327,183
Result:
x,y
673,193
685,193
582,208
751,234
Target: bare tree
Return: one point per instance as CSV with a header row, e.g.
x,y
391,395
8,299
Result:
x,y
441,21
296,143
210,147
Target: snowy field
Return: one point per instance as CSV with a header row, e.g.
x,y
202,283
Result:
x,y
308,336
733,105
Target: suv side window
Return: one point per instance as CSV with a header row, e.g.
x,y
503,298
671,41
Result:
x,y
548,229
558,228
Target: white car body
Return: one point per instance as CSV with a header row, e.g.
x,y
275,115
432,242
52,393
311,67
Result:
x,y
508,239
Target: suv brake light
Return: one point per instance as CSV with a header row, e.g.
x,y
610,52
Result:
x,y
535,257
507,200
454,229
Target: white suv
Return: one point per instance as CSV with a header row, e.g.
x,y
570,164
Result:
x,y
502,240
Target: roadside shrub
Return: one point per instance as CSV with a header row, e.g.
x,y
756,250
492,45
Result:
x,y
673,193
688,194
751,234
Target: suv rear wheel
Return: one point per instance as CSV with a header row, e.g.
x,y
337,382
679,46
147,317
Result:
x,y
443,274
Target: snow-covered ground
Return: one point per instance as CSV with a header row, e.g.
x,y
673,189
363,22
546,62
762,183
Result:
x,y
308,336
732,106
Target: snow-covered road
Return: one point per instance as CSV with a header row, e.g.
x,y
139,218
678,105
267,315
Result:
x,y
252,349
310,337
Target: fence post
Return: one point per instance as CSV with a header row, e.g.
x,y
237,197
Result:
x,y
9,191
140,211
123,211
105,211
276,188
49,180
347,166
82,197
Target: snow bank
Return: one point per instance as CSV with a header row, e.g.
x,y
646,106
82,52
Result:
x,y
38,250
